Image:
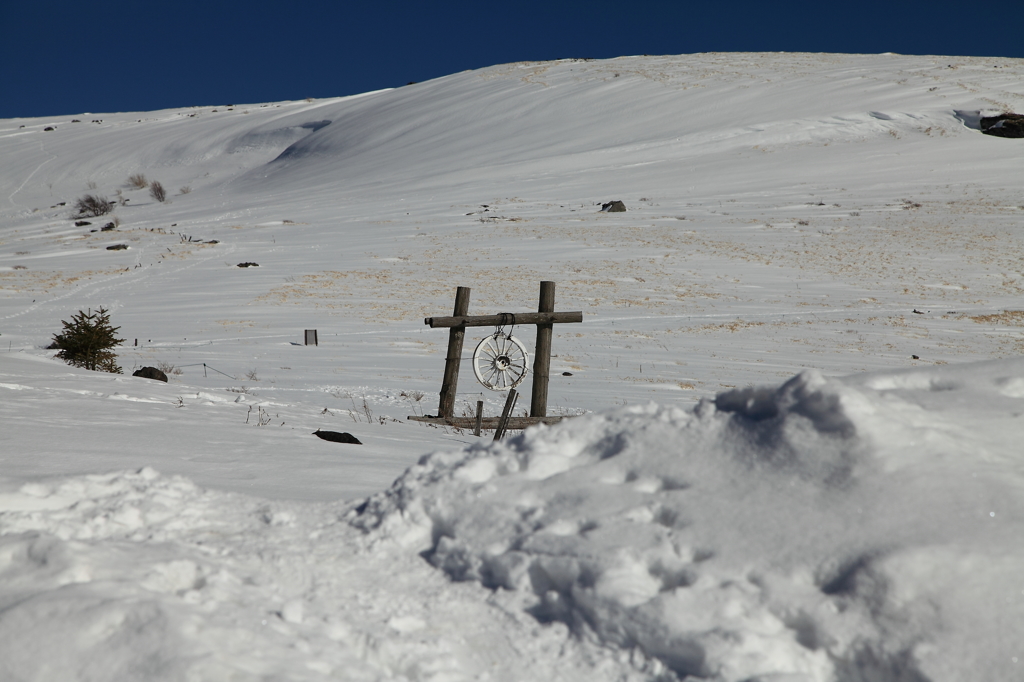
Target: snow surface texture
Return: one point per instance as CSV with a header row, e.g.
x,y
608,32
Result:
x,y
856,529
865,528
790,219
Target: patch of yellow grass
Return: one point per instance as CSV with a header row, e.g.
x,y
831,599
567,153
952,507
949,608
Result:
x,y
1013,318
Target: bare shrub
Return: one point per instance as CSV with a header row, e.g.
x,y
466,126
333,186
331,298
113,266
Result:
x,y
169,368
91,206
185,190
251,375
138,181
157,191
91,185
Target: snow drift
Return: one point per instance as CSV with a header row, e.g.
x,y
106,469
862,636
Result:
x,y
864,528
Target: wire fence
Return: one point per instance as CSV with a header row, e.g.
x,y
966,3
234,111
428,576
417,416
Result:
x,y
208,367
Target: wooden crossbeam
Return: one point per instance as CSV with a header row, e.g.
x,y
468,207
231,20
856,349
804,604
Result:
x,y
488,423
502,319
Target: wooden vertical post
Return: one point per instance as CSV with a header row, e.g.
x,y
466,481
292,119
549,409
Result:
x,y
446,408
510,404
542,354
479,417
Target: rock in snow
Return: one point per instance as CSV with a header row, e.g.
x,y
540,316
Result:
x,y
1004,125
337,437
150,373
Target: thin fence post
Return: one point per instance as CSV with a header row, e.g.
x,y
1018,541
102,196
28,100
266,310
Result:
x,y
510,404
479,416
446,407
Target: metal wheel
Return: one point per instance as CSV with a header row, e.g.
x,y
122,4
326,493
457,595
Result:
x,y
500,362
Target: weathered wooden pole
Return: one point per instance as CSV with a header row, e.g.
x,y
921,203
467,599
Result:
x,y
510,404
542,354
502,318
446,408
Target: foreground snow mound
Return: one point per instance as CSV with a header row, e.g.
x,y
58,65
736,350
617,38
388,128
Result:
x,y
137,576
852,529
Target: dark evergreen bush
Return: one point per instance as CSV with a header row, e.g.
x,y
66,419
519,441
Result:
x,y
87,341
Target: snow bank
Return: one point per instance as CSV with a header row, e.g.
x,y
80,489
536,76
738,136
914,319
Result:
x,y
858,529
865,528
136,576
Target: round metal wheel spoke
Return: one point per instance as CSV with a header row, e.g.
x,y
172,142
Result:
x,y
500,362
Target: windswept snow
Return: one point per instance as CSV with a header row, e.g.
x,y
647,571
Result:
x,y
865,528
862,528
130,576
799,358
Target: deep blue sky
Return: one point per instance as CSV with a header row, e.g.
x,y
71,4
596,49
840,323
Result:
x,y
65,57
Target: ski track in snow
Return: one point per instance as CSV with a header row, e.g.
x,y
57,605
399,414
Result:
x,y
10,197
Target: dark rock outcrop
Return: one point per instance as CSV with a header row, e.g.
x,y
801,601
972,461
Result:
x,y
614,207
150,373
1003,125
337,437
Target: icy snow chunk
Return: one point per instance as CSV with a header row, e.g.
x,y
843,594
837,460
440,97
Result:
x,y
1011,387
406,624
627,582
917,381
36,489
477,470
173,576
547,466
293,611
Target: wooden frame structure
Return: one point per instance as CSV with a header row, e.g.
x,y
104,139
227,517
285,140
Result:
x,y
545,318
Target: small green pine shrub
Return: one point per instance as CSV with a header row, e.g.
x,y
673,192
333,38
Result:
x,y
87,341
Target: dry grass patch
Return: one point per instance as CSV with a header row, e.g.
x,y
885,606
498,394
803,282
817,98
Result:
x,y
726,326
1012,318
44,281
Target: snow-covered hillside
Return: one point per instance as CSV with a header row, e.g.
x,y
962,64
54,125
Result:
x,y
792,219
